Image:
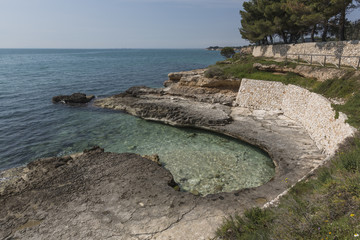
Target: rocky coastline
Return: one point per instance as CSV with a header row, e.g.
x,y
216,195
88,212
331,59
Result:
x,y
98,195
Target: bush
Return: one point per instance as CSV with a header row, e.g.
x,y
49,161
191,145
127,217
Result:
x,y
227,52
214,71
351,161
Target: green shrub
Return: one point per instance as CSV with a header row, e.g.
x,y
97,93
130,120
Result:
x,y
254,225
214,71
227,52
351,161
324,175
257,217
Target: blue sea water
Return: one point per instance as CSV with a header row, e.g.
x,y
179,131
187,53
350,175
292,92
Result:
x,y
32,127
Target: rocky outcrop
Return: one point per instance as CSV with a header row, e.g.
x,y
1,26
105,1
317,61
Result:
x,y
246,50
74,98
320,73
152,104
195,85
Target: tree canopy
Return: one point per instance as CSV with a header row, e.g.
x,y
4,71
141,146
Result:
x,y
292,20
227,52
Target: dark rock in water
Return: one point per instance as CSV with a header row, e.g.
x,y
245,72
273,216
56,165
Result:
x,y
155,158
94,149
73,98
191,135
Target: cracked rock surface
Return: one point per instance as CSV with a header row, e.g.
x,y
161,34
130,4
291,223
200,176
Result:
x,y
94,196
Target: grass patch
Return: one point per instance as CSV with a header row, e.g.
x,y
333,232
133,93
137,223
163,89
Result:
x,y
242,67
254,225
352,109
340,88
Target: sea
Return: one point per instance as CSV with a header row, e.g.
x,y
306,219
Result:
x,y
32,127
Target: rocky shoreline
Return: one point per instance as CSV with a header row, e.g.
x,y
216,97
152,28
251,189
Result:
x,y
98,195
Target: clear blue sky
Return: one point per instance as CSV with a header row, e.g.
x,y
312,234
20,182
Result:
x,y
119,23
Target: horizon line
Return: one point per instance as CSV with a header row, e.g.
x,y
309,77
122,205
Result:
x,y
95,48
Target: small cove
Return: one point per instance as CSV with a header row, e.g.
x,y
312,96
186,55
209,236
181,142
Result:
x,y
201,162
32,127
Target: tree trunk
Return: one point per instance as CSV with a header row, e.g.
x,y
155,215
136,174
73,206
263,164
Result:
x,y
271,39
325,31
284,37
313,33
292,38
342,24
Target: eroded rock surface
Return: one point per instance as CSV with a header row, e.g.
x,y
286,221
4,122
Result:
x,y
154,104
194,85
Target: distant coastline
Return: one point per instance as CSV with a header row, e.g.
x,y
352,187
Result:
x,y
217,48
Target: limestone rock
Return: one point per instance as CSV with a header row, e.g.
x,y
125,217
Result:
x,y
172,110
194,84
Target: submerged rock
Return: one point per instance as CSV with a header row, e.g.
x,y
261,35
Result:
x,y
73,98
155,158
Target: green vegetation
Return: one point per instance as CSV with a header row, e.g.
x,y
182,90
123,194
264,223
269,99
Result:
x,y
292,20
353,30
325,206
227,52
243,68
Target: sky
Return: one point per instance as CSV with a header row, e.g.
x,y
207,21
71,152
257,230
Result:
x,y
120,23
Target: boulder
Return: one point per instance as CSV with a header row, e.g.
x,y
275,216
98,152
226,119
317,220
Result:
x,y
73,98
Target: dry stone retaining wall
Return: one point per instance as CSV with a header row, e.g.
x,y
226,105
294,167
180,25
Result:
x,y
344,48
312,110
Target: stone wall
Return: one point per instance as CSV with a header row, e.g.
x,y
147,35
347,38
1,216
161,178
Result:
x,y
336,49
311,110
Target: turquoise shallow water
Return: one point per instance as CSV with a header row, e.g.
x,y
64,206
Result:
x,y
32,127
